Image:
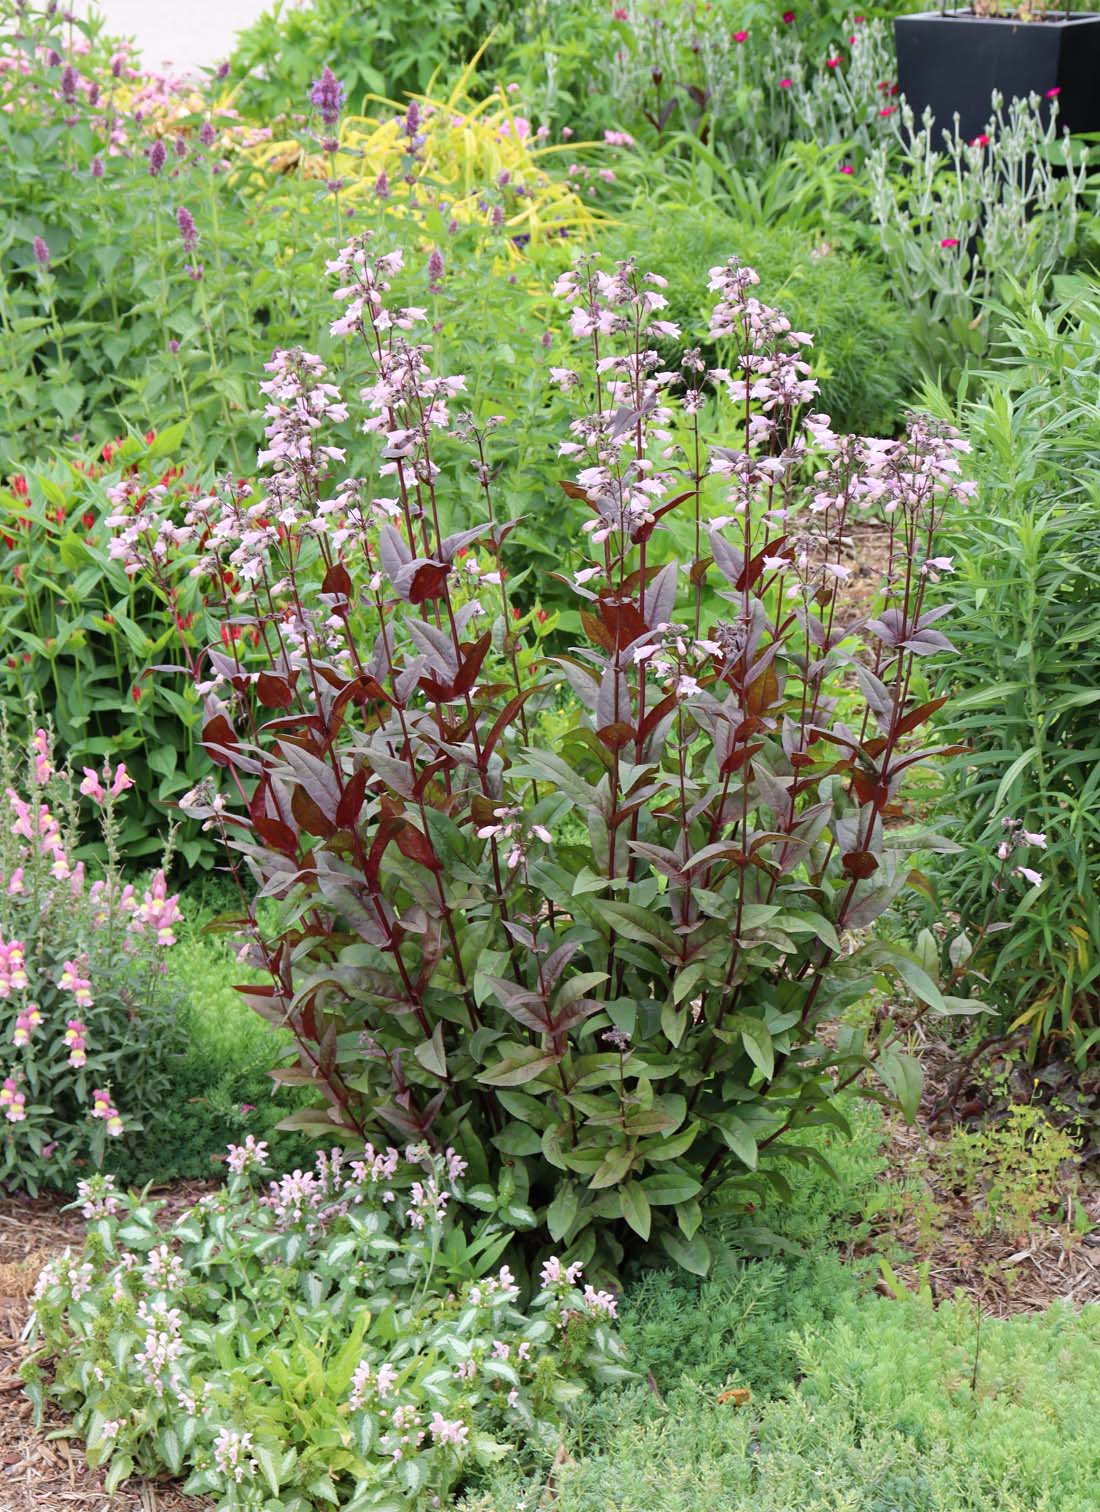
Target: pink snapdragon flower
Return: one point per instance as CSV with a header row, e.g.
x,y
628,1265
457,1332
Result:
x,y
103,1107
43,767
13,1102
70,980
158,911
26,1022
13,972
75,1032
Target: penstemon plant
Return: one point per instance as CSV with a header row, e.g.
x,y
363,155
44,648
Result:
x,y
607,1032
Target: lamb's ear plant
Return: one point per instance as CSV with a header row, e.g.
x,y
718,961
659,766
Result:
x,y
608,1032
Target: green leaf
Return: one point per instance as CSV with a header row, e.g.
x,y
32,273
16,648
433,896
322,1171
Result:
x,y
431,1054
517,1069
667,1188
641,925
903,1076
562,1212
757,1042
269,1465
692,1254
518,1139
636,1208
920,984
739,1136
673,1023
613,1167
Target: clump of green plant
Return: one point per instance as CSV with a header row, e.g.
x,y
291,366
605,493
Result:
x,y
608,1034
1023,802
1012,1169
85,1012
82,635
334,1339
955,218
221,1081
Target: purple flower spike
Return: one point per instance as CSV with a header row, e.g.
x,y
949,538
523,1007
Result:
x,y
157,155
41,252
435,266
188,231
327,96
97,167
412,119
69,78
208,136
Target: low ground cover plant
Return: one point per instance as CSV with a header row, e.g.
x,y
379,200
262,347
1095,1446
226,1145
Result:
x,y
85,1015
571,1019
336,1339
899,1405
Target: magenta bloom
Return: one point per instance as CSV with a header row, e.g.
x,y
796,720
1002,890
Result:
x,y
41,252
785,83
188,231
327,96
741,36
950,241
69,77
1052,93
788,18
157,155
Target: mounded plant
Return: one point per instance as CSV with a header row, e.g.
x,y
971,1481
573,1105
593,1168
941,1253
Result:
x,y
335,1339
608,1032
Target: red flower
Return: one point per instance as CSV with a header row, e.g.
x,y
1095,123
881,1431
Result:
x,y
832,62
846,168
741,36
981,140
785,83
950,241
887,110
1053,93
19,486
788,17
135,693
150,437
87,519
542,616
619,14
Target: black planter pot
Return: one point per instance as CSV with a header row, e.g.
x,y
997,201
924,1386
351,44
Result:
x,y
953,62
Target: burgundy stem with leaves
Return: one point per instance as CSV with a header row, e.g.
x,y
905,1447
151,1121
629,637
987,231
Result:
x,y
618,1025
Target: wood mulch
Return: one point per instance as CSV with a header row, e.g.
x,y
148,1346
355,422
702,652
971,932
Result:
x,y
38,1471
